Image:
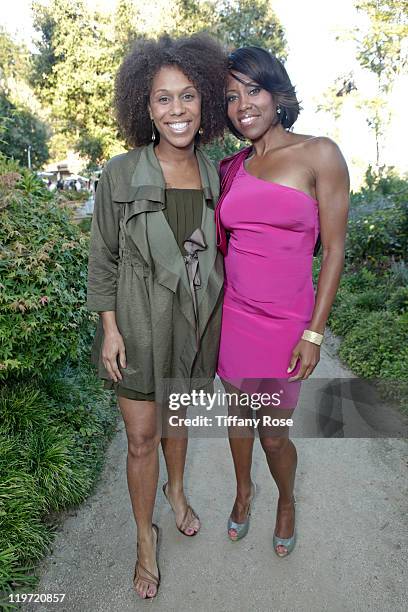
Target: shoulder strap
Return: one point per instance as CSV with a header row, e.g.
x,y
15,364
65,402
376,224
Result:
x,y
229,167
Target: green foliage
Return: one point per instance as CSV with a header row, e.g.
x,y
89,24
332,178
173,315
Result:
x,y
370,311
384,181
398,300
377,230
85,224
376,341
193,16
71,195
19,125
250,22
11,572
75,80
14,59
381,49
378,220
43,259
399,271
53,433
223,147
21,129
351,307
361,280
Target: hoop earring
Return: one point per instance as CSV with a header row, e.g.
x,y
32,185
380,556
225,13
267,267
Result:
x,y
153,132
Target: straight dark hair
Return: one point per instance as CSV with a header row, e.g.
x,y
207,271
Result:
x,y
265,69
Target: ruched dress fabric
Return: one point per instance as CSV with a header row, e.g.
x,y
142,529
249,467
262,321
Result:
x,y
268,293
184,209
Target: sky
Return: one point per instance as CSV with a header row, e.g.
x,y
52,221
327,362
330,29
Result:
x,y
315,59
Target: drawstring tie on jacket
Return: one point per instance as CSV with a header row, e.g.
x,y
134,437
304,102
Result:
x,y
193,244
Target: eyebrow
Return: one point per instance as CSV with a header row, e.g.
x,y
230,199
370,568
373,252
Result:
x,y
166,90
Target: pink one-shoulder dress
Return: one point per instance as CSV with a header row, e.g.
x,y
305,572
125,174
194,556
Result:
x,y
269,295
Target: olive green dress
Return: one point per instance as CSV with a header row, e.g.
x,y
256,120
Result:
x,y
184,209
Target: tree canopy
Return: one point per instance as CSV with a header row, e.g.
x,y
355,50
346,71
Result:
x,y
20,127
78,51
81,49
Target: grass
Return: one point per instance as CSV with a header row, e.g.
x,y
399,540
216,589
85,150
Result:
x,y
53,435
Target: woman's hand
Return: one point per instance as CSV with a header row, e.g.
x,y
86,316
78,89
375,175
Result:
x,y
113,346
309,355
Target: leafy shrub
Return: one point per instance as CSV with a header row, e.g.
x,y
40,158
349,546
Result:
x,y
370,300
399,273
21,504
52,436
359,280
343,315
378,220
223,147
376,342
73,196
43,259
385,183
359,293
377,229
85,224
398,301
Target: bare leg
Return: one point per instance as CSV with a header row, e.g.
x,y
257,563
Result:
x,y
241,440
282,461
143,436
174,444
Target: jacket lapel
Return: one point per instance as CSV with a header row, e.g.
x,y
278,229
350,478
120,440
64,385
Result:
x,y
152,234
207,258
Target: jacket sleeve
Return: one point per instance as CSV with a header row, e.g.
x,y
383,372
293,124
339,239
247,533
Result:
x,y
104,248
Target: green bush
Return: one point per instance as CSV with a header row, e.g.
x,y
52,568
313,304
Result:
x,y
377,341
43,260
377,230
55,417
85,224
53,433
359,293
378,220
223,147
73,195
398,300
371,306
343,315
359,280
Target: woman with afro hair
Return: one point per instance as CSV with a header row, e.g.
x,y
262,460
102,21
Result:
x,y
155,275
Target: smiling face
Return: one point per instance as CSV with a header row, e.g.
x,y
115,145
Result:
x,y
175,106
251,109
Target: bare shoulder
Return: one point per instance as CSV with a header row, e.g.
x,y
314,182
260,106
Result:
x,y
325,155
324,148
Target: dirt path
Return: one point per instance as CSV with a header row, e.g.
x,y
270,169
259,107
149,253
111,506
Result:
x,y
351,522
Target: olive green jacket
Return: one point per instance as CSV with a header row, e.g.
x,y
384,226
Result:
x,y
137,270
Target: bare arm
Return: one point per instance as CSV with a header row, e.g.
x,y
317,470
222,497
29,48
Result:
x,y
332,191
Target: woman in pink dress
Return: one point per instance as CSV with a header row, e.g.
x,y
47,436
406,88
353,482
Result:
x,y
280,197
